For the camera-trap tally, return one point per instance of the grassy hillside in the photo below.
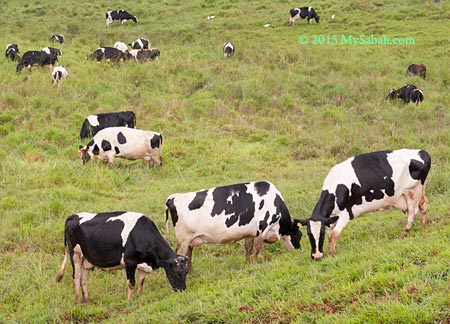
(276, 110)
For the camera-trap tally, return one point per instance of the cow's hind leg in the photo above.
(423, 207)
(248, 248)
(77, 265)
(258, 246)
(85, 269)
(413, 199)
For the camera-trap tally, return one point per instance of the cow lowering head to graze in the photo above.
(146, 55)
(58, 38)
(228, 49)
(59, 74)
(94, 123)
(303, 12)
(12, 52)
(121, 16)
(109, 54)
(121, 46)
(141, 43)
(126, 143)
(36, 58)
(117, 240)
(409, 93)
(52, 50)
(417, 69)
(366, 183)
(227, 214)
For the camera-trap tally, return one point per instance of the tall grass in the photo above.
(276, 110)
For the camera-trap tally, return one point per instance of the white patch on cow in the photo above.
(121, 46)
(309, 9)
(93, 120)
(129, 220)
(85, 217)
(144, 267)
(315, 231)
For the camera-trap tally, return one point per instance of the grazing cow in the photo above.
(52, 50)
(94, 123)
(59, 74)
(121, 16)
(33, 58)
(147, 55)
(126, 143)
(57, 38)
(140, 43)
(303, 12)
(417, 69)
(109, 54)
(228, 49)
(12, 52)
(117, 240)
(231, 213)
(121, 46)
(366, 183)
(409, 93)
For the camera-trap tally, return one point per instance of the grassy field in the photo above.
(277, 110)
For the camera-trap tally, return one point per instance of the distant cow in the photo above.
(228, 49)
(417, 69)
(121, 16)
(147, 55)
(303, 12)
(121, 46)
(117, 240)
(12, 52)
(59, 74)
(34, 58)
(231, 213)
(366, 183)
(109, 54)
(58, 38)
(409, 93)
(141, 43)
(95, 123)
(126, 143)
(52, 50)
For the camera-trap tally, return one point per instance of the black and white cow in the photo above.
(366, 183)
(12, 52)
(52, 50)
(409, 93)
(109, 54)
(34, 58)
(417, 69)
(145, 55)
(94, 123)
(141, 43)
(58, 38)
(117, 240)
(231, 213)
(126, 143)
(59, 74)
(228, 49)
(303, 12)
(121, 16)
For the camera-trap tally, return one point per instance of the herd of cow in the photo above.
(253, 211)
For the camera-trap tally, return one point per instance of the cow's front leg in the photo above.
(258, 246)
(248, 248)
(130, 270)
(335, 231)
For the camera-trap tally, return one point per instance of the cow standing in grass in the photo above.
(59, 74)
(95, 123)
(121, 16)
(408, 93)
(303, 12)
(417, 69)
(228, 49)
(12, 52)
(366, 183)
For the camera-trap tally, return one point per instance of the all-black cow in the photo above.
(231, 213)
(409, 93)
(121, 16)
(303, 12)
(366, 183)
(12, 52)
(58, 38)
(147, 55)
(117, 240)
(109, 54)
(417, 69)
(94, 123)
(34, 58)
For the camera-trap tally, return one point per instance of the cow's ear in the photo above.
(331, 220)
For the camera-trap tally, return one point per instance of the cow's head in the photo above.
(176, 271)
(84, 153)
(317, 18)
(296, 234)
(316, 233)
(393, 94)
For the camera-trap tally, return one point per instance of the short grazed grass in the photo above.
(276, 110)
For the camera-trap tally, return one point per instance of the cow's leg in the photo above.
(423, 207)
(184, 248)
(258, 246)
(130, 271)
(335, 231)
(414, 203)
(77, 264)
(248, 247)
(141, 278)
(85, 269)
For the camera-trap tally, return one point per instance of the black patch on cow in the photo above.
(264, 222)
(324, 206)
(198, 201)
(117, 150)
(156, 141)
(261, 204)
(419, 170)
(285, 217)
(121, 138)
(173, 211)
(262, 187)
(95, 150)
(235, 202)
(106, 145)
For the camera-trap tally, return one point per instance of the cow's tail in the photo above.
(60, 273)
(86, 130)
